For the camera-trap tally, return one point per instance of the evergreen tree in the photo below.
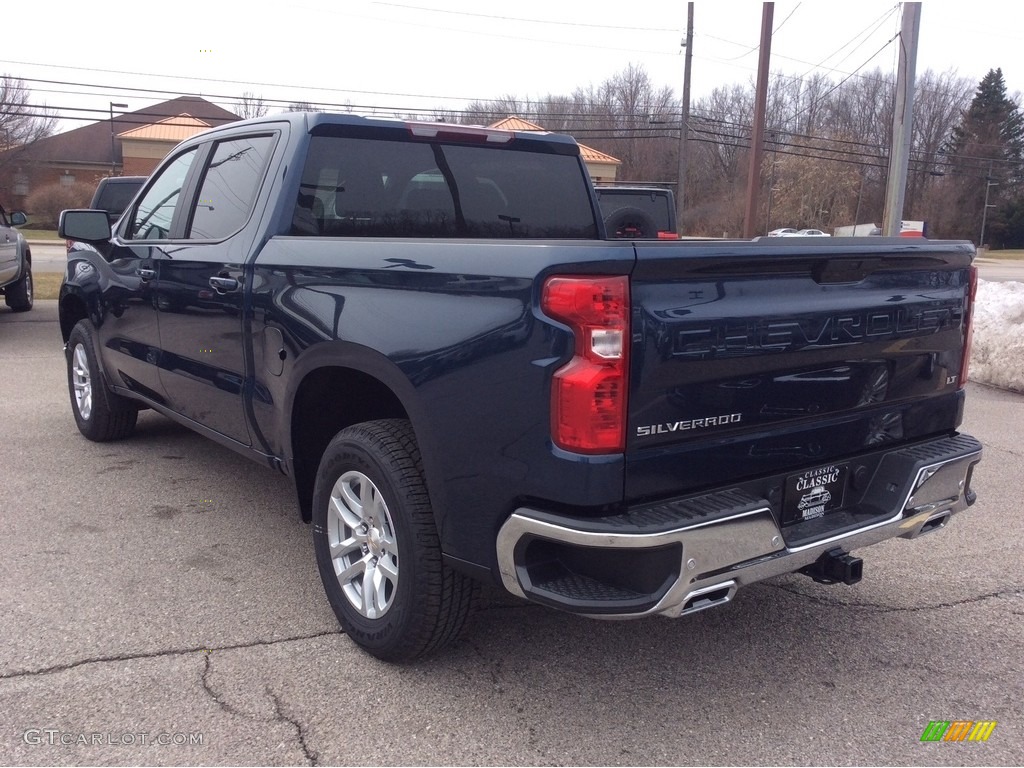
(986, 155)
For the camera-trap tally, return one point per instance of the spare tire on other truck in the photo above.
(630, 223)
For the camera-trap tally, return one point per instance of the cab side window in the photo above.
(154, 213)
(229, 187)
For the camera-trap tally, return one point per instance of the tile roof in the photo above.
(91, 143)
(177, 128)
(589, 154)
(515, 124)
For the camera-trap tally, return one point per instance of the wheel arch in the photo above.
(71, 309)
(336, 392)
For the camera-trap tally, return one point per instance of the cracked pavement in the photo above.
(164, 585)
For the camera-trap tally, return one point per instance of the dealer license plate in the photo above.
(814, 493)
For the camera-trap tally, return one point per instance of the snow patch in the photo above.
(997, 356)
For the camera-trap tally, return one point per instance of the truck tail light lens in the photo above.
(972, 292)
(588, 394)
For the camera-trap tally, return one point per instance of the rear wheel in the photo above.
(18, 296)
(101, 415)
(377, 547)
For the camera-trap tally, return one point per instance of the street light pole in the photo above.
(113, 156)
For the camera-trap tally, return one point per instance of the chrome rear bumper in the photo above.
(643, 563)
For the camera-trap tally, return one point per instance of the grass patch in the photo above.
(39, 234)
(1007, 255)
(46, 285)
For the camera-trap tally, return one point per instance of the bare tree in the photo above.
(252, 105)
(828, 143)
(487, 112)
(302, 106)
(939, 101)
(22, 123)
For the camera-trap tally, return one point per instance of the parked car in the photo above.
(812, 233)
(114, 193)
(15, 262)
(638, 213)
(783, 232)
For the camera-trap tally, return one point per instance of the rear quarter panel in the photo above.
(453, 327)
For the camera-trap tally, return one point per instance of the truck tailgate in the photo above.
(752, 359)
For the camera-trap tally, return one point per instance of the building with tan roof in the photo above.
(143, 147)
(601, 167)
(132, 143)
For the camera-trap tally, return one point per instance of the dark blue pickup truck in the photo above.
(428, 329)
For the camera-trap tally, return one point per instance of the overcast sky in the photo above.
(421, 54)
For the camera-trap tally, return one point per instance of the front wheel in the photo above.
(377, 547)
(101, 415)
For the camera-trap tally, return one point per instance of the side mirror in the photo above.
(89, 226)
(18, 219)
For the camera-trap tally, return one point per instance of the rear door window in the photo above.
(230, 183)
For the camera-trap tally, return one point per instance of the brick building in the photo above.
(132, 144)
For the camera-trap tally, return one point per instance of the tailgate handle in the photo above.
(844, 270)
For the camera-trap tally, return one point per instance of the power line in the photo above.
(245, 83)
(610, 27)
(878, 23)
(831, 90)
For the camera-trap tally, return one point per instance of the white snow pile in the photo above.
(997, 357)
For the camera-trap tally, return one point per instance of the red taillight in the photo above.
(972, 292)
(588, 394)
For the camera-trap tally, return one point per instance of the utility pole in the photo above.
(984, 211)
(902, 121)
(684, 125)
(760, 108)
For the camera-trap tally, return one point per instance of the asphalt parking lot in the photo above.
(163, 589)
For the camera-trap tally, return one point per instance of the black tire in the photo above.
(19, 296)
(104, 415)
(630, 223)
(420, 604)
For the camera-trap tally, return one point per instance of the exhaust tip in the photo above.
(936, 523)
(708, 597)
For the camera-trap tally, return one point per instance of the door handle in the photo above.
(223, 284)
(145, 273)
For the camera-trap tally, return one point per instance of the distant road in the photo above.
(51, 257)
(1001, 271)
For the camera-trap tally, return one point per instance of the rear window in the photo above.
(114, 196)
(653, 204)
(391, 188)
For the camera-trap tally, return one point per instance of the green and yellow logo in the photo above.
(958, 730)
